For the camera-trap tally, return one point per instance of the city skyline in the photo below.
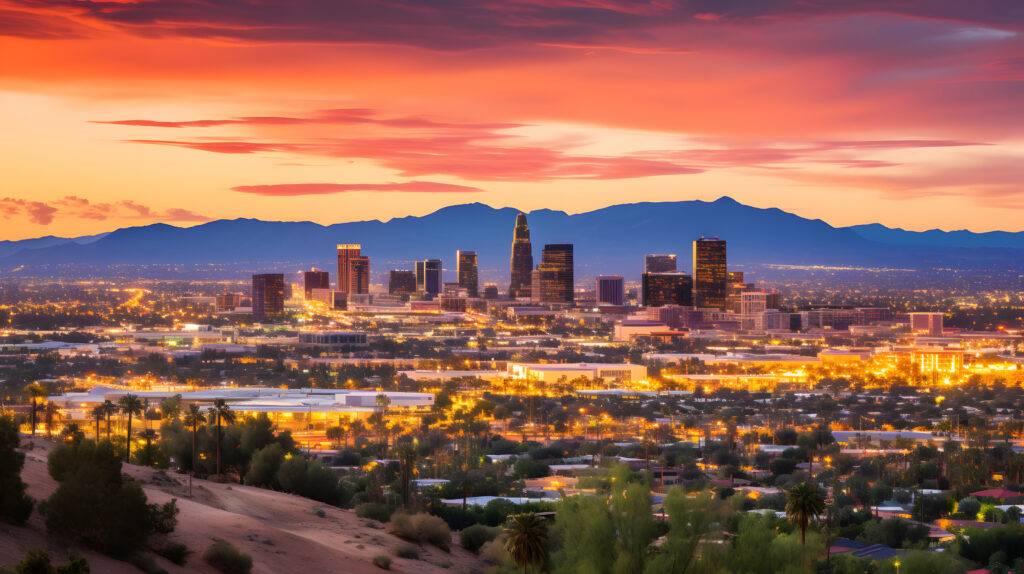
(789, 105)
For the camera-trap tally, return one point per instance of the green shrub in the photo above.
(474, 537)
(38, 562)
(15, 505)
(381, 561)
(224, 557)
(264, 466)
(421, 527)
(374, 511)
(175, 552)
(407, 551)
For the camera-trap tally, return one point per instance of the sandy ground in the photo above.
(280, 531)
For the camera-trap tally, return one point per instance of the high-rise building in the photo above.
(521, 263)
(736, 287)
(554, 276)
(611, 290)
(660, 263)
(315, 279)
(428, 277)
(353, 269)
(401, 282)
(660, 289)
(930, 324)
(267, 295)
(466, 271)
(710, 276)
(490, 291)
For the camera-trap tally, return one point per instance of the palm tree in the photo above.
(381, 422)
(526, 540)
(34, 391)
(109, 410)
(50, 412)
(98, 412)
(130, 405)
(804, 503)
(221, 412)
(193, 418)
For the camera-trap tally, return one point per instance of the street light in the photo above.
(897, 565)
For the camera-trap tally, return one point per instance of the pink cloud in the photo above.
(296, 189)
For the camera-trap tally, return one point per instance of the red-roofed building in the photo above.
(997, 493)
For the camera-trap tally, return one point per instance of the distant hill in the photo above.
(609, 240)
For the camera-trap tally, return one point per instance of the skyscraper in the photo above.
(267, 295)
(710, 275)
(401, 282)
(660, 263)
(554, 276)
(521, 263)
(466, 271)
(428, 277)
(610, 290)
(660, 289)
(737, 286)
(353, 269)
(315, 279)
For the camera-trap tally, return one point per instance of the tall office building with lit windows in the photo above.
(554, 276)
(315, 279)
(521, 262)
(660, 263)
(353, 269)
(660, 289)
(710, 275)
(466, 272)
(611, 290)
(267, 295)
(428, 277)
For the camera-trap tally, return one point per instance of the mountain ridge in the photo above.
(611, 239)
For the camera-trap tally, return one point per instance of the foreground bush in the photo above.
(96, 505)
(373, 511)
(175, 552)
(474, 537)
(15, 505)
(227, 559)
(381, 561)
(421, 527)
(38, 562)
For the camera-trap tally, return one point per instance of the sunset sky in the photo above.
(125, 113)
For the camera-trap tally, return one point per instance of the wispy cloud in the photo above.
(71, 206)
(296, 189)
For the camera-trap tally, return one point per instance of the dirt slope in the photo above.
(280, 531)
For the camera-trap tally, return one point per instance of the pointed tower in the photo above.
(521, 264)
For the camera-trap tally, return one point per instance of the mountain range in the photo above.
(608, 240)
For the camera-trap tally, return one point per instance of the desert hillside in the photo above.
(281, 532)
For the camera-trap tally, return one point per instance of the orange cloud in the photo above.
(294, 189)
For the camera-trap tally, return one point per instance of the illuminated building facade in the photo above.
(466, 271)
(660, 289)
(660, 263)
(315, 279)
(710, 275)
(353, 269)
(553, 280)
(401, 282)
(428, 277)
(611, 290)
(938, 361)
(930, 324)
(521, 263)
(267, 295)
